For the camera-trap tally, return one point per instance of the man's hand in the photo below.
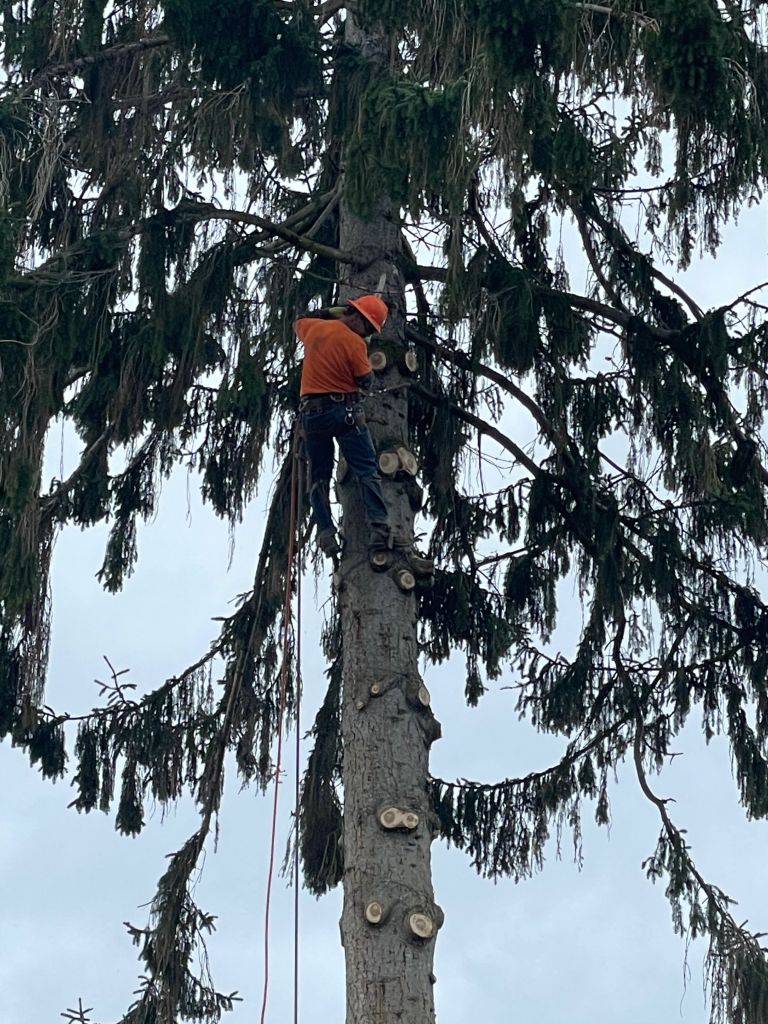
(364, 384)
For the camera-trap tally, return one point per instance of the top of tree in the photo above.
(170, 180)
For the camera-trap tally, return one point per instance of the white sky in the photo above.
(583, 947)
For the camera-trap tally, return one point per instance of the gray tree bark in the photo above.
(389, 919)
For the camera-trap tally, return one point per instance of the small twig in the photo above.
(78, 1016)
(116, 689)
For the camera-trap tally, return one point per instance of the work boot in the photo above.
(380, 547)
(328, 542)
(418, 564)
(380, 537)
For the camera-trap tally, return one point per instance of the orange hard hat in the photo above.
(373, 309)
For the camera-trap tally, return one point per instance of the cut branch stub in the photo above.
(380, 560)
(411, 361)
(405, 580)
(417, 694)
(376, 912)
(421, 925)
(389, 463)
(378, 359)
(408, 461)
(394, 817)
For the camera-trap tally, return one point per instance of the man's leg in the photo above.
(318, 446)
(357, 446)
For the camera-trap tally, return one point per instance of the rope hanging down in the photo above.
(295, 505)
(300, 469)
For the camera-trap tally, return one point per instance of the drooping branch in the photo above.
(588, 305)
(464, 361)
(737, 968)
(50, 501)
(617, 238)
(482, 425)
(55, 269)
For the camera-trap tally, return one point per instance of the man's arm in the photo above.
(330, 313)
(365, 383)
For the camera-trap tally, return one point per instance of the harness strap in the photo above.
(316, 403)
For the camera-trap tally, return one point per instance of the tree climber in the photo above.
(335, 377)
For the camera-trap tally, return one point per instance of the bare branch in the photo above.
(327, 10)
(206, 211)
(110, 53)
(642, 19)
(49, 503)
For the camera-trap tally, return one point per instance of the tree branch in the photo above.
(675, 836)
(466, 363)
(617, 237)
(110, 53)
(202, 211)
(50, 501)
(599, 309)
(482, 425)
(207, 211)
(327, 10)
(570, 757)
(643, 19)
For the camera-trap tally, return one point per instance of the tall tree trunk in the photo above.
(389, 919)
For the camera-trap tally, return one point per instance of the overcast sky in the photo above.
(586, 947)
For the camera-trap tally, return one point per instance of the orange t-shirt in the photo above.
(333, 356)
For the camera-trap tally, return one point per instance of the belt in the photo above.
(316, 403)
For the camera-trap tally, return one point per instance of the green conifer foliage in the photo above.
(172, 180)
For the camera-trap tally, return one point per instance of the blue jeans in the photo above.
(320, 428)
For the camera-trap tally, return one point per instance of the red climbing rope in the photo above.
(280, 716)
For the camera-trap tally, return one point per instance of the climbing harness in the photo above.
(318, 403)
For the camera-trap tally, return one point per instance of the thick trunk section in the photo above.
(390, 919)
